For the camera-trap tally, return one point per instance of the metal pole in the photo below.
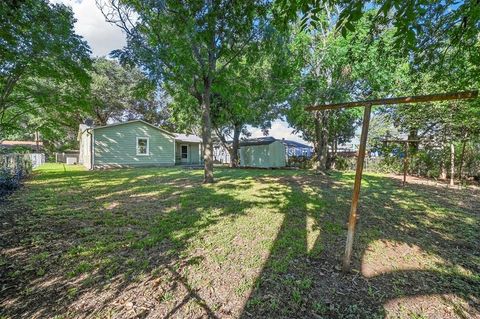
(356, 189)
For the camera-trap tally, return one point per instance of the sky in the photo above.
(104, 37)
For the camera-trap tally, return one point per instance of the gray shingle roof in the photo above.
(189, 138)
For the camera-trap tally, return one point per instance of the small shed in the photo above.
(262, 152)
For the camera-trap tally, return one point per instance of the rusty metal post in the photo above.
(352, 220)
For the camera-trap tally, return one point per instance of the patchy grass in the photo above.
(258, 243)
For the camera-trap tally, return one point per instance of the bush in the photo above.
(9, 180)
(13, 168)
(385, 165)
(299, 161)
(343, 163)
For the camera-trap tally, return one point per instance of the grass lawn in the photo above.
(157, 243)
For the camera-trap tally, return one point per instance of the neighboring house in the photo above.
(135, 143)
(346, 150)
(297, 149)
(262, 152)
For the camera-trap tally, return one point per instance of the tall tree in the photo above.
(42, 65)
(253, 91)
(440, 125)
(187, 45)
(114, 89)
(337, 68)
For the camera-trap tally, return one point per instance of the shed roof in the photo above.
(257, 141)
(269, 140)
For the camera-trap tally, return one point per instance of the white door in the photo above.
(184, 153)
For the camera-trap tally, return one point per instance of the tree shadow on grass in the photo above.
(108, 243)
(413, 246)
(158, 243)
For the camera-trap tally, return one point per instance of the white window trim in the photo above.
(148, 146)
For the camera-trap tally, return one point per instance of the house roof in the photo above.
(31, 144)
(190, 138)
(132, 121)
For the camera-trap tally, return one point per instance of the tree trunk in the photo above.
(443, 170)
(235, 145)
(318, 137)
(323, 156)
(332, 156)
(452, 163)
(206, 99)
(413, 135)
(207, 133)
(462, 157)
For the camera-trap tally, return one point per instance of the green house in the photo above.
(263, 152)
(136, 143)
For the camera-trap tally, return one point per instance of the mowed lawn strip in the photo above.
(257, 243)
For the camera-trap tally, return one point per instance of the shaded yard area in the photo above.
(157, 243)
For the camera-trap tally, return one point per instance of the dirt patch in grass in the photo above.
(158, 243)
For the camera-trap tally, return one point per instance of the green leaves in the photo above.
(42, 67)
(417, 22)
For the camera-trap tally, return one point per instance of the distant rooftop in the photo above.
(291, 143)
(31, 144)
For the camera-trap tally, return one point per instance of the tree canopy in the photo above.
(43, 78)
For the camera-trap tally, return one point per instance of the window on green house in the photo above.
(142, 146)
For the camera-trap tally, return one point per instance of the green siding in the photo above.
(277, 154)
(272, 155)
(194, 154)
(116, 146)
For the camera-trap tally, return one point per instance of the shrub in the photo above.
(343, 163)
(9, 180)
(299, 161)
(13, 168)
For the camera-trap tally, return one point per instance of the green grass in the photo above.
(257, 243)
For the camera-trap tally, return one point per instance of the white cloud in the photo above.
(102, 37)
(280, 129)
